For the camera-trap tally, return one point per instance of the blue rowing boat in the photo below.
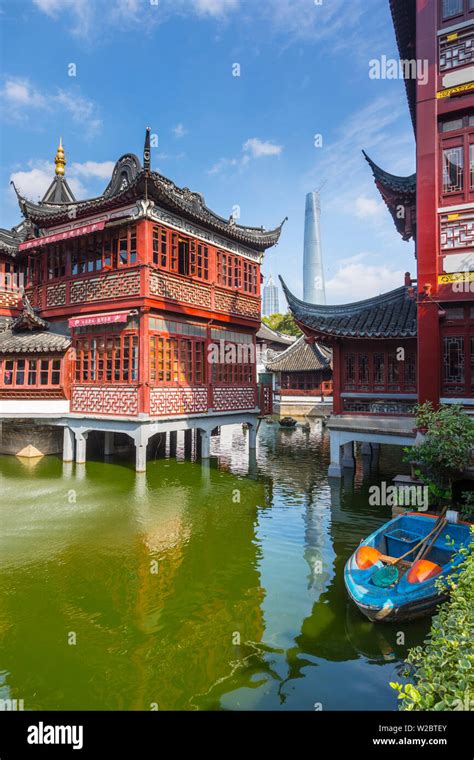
(409, 589)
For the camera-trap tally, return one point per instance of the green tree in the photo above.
(283, 323)
(445, 450)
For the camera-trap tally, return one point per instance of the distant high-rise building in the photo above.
(270, 303)
(313, 273)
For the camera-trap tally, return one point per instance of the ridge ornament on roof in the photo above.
(28, 319)
(130, 182)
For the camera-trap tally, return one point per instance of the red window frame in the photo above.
(165, 253)
(110, 358)
(379, 371)
(304, 381)
(177, 360)
(466, 12)
(237, 273)
(114, 248)
(233, 373)
(461, 328)
(37, 372)
(462, 138)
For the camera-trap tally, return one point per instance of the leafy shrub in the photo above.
(443, 668)
(445, 451)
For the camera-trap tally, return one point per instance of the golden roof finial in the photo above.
(60, 161)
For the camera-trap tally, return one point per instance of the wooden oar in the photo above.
(426, 549)
(440, 523)
(383, 577)
(422, 542)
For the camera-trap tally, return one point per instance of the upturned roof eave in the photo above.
(311, 318)
(157, 188)
(396, 183)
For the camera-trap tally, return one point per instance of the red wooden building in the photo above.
(134, 312)
(417, 342)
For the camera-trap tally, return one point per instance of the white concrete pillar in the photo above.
(205, 444)
(252, 437)
(348, 459)
(68, 445)
(81, 441)
(140, 461)
(335, 469)
(108, 444)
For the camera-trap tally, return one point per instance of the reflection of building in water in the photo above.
(142, 637)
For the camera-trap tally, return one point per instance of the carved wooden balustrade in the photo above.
(143, 281)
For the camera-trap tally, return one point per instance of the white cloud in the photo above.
(93, 169)
(215, 7)
(34, 181)
(19, 93)
(294, 20)
(357, 279)
(368, 207)
(89, 18)
(82, 110)
(223, 163)
(21, 98)
(179, 131)
(253, 148)
(81, 12)
(257, 148)
(49, 6)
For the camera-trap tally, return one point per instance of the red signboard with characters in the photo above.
(99, 319)
(85, 229)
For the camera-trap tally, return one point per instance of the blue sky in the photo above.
(243, 140)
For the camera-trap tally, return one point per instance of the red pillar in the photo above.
(144, 362)
(337, 376)
(429, 354)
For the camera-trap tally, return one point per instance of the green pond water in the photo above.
(192, 587)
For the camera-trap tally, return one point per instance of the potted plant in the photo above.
(424, 417)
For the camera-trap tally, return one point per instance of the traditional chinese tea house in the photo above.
(109, 308)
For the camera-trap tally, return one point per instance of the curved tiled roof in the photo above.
(390, 315)
(130, 182)
(11, 239)
(301, 357)
(402, 185)
(37, 341)
(397, 192)
(273, 336)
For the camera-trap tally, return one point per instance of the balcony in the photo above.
(143, 282)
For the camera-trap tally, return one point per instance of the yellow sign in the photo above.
(460, 88)
(448, 279)
(452, 36)
(452, 217)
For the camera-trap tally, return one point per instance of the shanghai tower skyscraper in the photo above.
(313, 273)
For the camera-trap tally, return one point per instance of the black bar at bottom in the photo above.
(136, 734)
